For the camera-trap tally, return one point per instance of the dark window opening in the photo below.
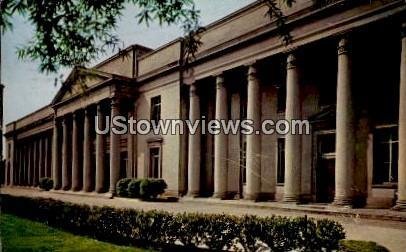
(386, 156)
(155, 162)
(281, 161)
(156, 108)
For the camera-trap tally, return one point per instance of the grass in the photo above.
(362, 246)
(19, 234)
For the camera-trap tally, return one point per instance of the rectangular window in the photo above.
(156, 108)
(155, 162)
(281, 99)
(281, 161)
(386, 155)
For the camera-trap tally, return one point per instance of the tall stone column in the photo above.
(114, 148)
(41, 170)
(253, 140)
(194, 152)
(87, 168)
(24, 165)
(20, 164)
(30, 174)
(100, 173)
(401, 202)
(220, 141)
(131, 149)
(12, 163)
(47, 173)
(56, 173)
(76, 175)
(65, 160)
(293, 147)
(35, 163)
(345, 123)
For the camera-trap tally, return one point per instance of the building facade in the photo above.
(344, 71)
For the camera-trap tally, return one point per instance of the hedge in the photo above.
(145, 188)
(46, 183)
(159, 229)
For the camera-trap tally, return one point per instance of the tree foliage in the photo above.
(73, 32)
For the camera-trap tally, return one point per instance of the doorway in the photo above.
(325, 171)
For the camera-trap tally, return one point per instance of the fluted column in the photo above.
(30, 173)
(114, 148)
(35, 163)
(293, 148)
(100, 173)
(194, 153)
(76, 175)
(131, 148)
(20, 164)
(24, 165)
(47, 172)
(401, 202)
(56, 158)
(345, 123)
(253, 140)
(220, 141)
(87, 168)
(41, 171)
(65, 160)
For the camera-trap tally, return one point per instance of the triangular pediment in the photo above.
(79, 80)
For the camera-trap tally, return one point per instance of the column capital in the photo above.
(403, 30)
(99, 107)
(219, 81)
(114, 101)
(343, 45)
(74, 116)
(252, 72)
(193, 90)
(291, 61)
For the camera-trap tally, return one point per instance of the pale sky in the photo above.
(26, 89)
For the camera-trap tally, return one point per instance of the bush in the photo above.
(134, 188)
(361, 246)
(151, 188)
(122, 186)
(46, 183)
(191, 230)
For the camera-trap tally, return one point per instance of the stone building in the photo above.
(345, 71)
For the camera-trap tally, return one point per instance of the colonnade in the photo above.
(345, 132)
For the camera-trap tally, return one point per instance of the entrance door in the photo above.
(325, 173)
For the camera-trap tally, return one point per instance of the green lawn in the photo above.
(19, 234)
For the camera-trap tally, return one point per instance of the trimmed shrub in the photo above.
(151, 188)
(134, 188)
(122, 186)
(46, 183)
(159, 229)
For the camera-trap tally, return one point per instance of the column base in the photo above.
(193, 194)
(220, 195)
(400, 206)
(343, 202)
(262, 196)
(291, 199)
(100, 190)
(76, 188)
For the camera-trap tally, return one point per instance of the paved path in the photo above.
(389, 233)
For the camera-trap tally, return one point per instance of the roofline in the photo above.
(30, 114)
(178, 39)
(232, 14)
(116, 55)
